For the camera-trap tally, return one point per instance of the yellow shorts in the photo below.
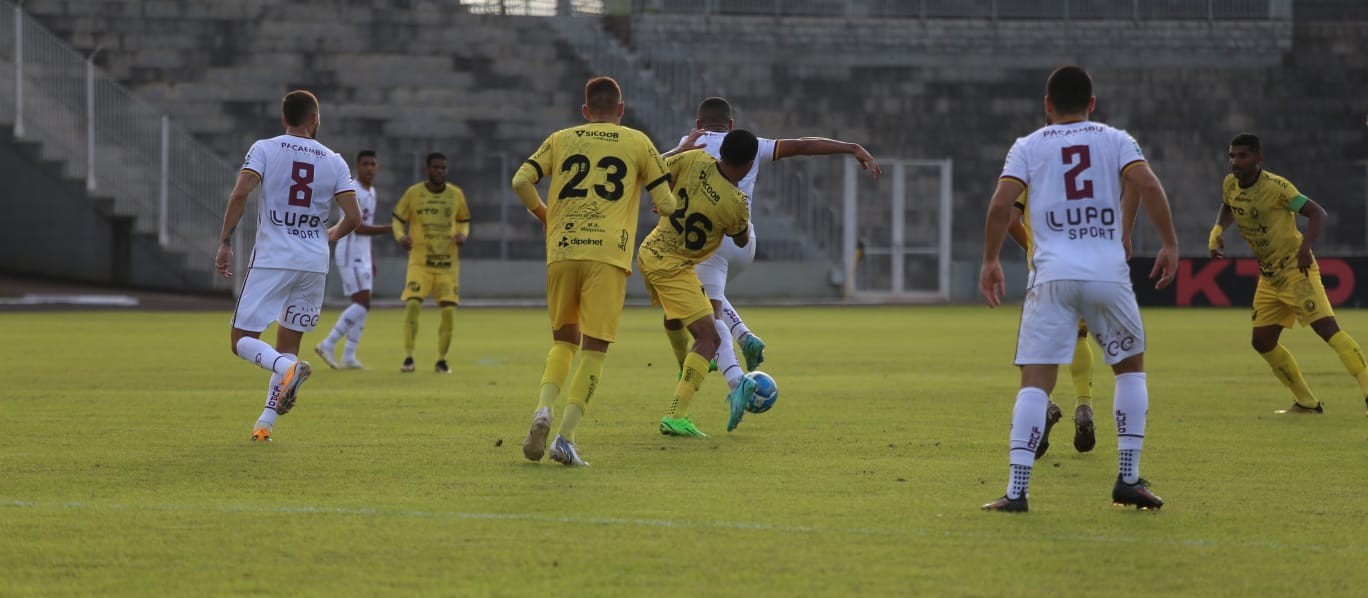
(1294, 298)
(679, 291)
(586, 293)
(443, 285)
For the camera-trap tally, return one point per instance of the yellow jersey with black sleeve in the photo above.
(597, 172)
(1267, 215)
(432, 220)
(710, 208)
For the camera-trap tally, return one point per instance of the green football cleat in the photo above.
(737, 399)
(753, 349)
(680, 426)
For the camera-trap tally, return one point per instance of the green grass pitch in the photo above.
(125, 467)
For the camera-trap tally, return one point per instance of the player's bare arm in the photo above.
(1130, 204)
(1152, 196)
(741, 238)
(247, 181)
(525, 186)
(1315, 219)
(371, 229)
(1215, 244)
(992, 285)
(1017, 230)
(821, 146)
(351, 215)
(690, 142)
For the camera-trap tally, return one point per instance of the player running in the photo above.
(352, 256)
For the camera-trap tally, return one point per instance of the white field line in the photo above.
(687, 524)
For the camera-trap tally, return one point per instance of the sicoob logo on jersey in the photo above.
(605, 135)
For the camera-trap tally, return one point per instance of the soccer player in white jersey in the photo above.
(299, 178)
(353, 259)
(714, 119)
(1072, 170)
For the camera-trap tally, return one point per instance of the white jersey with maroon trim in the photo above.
(299, 179)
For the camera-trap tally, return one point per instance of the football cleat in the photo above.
(1052, 416)
(680, 426)
(441, 367)
(737, 400)
(534, 446)
(289, 385)
(753, 349)
(408, 365)
(1299, 408)
(352, 364)
(1085, 433)
(1136, 495)
(1007, 505)
(261, 435)
(326, 354)
(563, 451)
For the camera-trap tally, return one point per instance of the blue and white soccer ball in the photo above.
(766, 392)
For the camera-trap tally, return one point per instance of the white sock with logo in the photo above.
(1131, 408)
(1028, 425)
(726, 356)
(358, 317)
(344, 324)
(733, 321)
(257, 351)
(269, 415)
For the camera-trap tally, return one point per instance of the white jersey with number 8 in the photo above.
(1072, 173)
(299, 178)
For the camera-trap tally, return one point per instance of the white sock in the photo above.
(1028, 425)
(1131, 408)
(733, 320)
(357, 314)
(269, 415)
(726, 356)
(257, 351)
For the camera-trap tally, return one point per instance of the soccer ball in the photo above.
(766, 392)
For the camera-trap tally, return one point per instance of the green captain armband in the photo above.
(1297, 203)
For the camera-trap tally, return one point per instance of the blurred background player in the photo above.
(431, 222)
(289, 266)
(356, 268)
(710, 207)
(597, 171)
(714, 118)
(1073, 169)
(1265, 206)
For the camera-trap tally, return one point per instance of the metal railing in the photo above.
(539, 8)
(122, 147)
(977, 9)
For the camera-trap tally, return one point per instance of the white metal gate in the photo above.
(896, 237)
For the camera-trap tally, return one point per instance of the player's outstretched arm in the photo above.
(1156, 204)
(351, 216)
(690, 142)
(372, 229)
(992, 285)
(821, 146)
(1215, 244)
(1315, 216)
(525, 185)
(237, 203)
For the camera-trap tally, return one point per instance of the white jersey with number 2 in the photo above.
(299, 178)
(1072, 173)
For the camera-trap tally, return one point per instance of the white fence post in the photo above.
(947, 203)
(848, 229)
(163, 215)
(18, 72)
(899, 222)
(90, 121)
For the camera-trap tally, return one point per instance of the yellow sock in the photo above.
(695, 369)
(444, 330)
(1285, 368)
(582, 386)
(411, 309)
(680, 340)
(1082, 371)
(1352, 357)
(557, 368)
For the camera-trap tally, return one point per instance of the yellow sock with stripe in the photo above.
(1082, 371)
(1285, 368)
(680, 340)
(1352, 358)
(557, 369)
(582, 386)
(444, 330)
(695, 369)
(411, 309)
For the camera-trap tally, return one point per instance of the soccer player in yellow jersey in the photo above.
(431, 222)
(1265, 205)
(597, 172)
(1085, 433)
(710, 207)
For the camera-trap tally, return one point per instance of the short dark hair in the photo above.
(602, 95)
(739, 147)
(1069, 89)
(434, 156)
(1248, 140)
(714, 110)
(365, 153)
(297, 106)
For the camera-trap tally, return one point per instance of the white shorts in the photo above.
(356, 277)
(291, 298)
(725, 264)
(1049, 321)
